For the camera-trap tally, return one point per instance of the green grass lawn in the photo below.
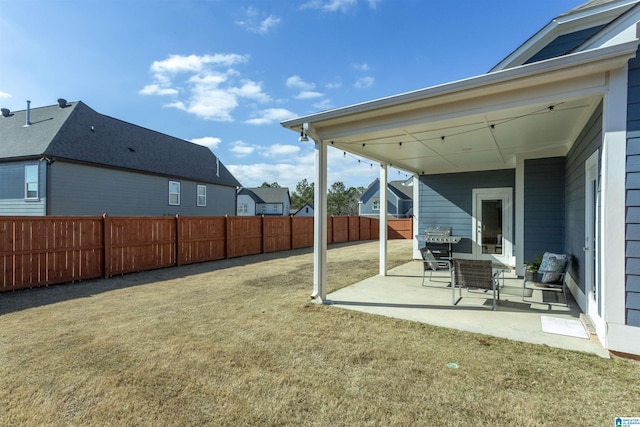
(238, 342)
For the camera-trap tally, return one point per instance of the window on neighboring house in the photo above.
(375, 205)
(202, 195)
(174, 193)
(243, 208)
(31, 182)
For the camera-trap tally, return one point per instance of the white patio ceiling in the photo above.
(482, 123)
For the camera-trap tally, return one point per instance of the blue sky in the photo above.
(224, 73)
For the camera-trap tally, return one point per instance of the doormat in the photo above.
(569, 327)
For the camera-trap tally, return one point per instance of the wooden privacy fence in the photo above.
(40, 251)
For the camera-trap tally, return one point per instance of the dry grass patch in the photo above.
(237, 342)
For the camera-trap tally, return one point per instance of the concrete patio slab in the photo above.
(401, 295)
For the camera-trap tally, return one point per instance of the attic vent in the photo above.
(6, 112)
(62, 102)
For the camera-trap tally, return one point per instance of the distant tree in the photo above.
(272, 185)
(342, 200)
(303, 194)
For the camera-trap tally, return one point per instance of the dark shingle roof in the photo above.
(79, 133)
(268, 194)
(404, 191)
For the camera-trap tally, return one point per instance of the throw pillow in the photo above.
(551, 267)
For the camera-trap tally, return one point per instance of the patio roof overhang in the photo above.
(480, 123)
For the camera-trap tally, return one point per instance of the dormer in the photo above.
(594, 24)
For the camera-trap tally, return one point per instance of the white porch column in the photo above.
(383, 219)
(320, 224)
(612, 209)
(519, 228)
(416, 216)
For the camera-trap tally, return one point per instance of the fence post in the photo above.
(291, 227)
(106, 238)
(178, 239)
(262, 233)
(226, 236)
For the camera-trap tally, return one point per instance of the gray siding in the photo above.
(564, 44)
(12, 197)
(78, 189)
(543, 206)
(633, 196)
(395, 206)
(587, 143)
(446, 200)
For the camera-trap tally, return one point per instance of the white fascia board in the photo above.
(621, 30)
(596, 61)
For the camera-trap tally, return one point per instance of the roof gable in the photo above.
(569, 32)
(564, 44)
(269, 194)
(79, 133)
(401, 191)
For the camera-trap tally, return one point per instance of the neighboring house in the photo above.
(542, 153)
(306, 210)
(399, 199)
(67, 159)
(268, 201)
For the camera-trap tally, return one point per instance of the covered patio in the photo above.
(400, 294)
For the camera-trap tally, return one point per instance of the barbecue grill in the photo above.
(439, 241)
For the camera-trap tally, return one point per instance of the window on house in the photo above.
(375, 205)
(31, 182)
(243, 208)
(202, 195)
(174, 193)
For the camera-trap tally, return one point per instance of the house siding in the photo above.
(544, 189)
(79, 189)
(632, 189)
(396, 205)
(564, 44)
(446, 200)
(12, 197)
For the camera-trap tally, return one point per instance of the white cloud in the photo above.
(279, 151)
(287, 175)
(242, 149)
(325, 104)
(253, 23)
(334, 85)
(4, 95)
(195, 63)
(269, 22)
(208, 141)
(296, 82)
(293, 168)
(155, 89)
(251, 90)
(198, 86)
(330, 5)
(271, 115)
(373, 4)
(361, 67)
(364, 83)
(309, 94)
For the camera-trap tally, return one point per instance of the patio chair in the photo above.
(475, 274)
(551, 276)
(430, 263)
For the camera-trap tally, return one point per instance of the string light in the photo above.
(492, 126)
